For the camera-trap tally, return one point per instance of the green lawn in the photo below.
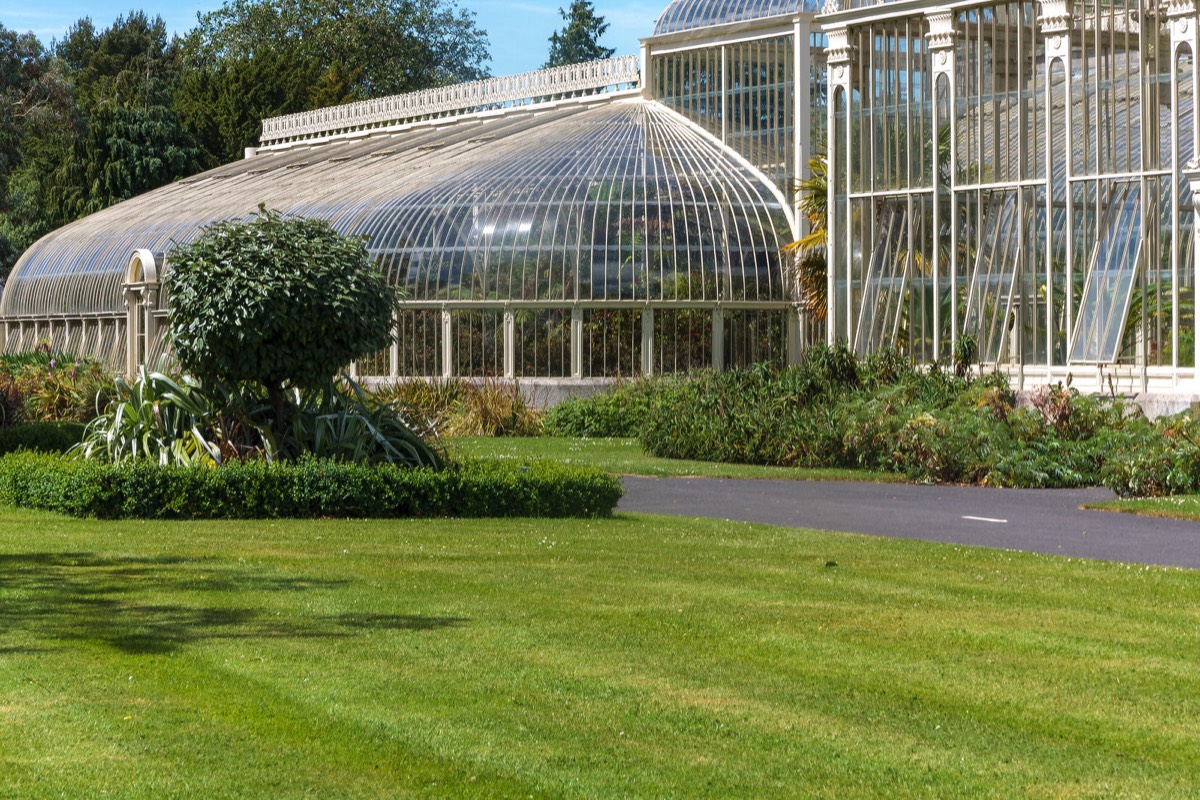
(1184, 506)
(625, 457)
(633, 657)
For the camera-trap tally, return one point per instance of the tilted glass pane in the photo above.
(993, 280)
(1107, 289)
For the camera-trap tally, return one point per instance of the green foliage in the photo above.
(45, 437)
(51, 386)
(155, 418)
(926, 424)
(101, 128)
(177, 421)
(343, 424)
(619, 412)
(306, 488)
(251, 59)
(278, 301)
(579, 40)
(966, 354)
(809, 267)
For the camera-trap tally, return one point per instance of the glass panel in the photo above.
(478, 343)
(542, 343)
(377, 364)
(682, 339)
(752, 337)
(612, 342)
(419, 333)
(1108, 288)
(993, 280)
(683, 15)
(884, 284)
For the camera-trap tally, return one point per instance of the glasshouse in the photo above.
(1016, 175)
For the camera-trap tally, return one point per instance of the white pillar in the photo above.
(576, 342)
(718, 339)
(509, 338)
(839, 55)
(447, 345)
(648, 340)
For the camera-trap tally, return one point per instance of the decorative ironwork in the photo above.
(573, 80)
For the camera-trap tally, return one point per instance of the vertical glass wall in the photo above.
(742, 93)
(1047, 216)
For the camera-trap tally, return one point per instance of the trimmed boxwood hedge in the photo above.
(306, 488)
(48, 437)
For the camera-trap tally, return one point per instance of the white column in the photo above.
(576, 342)
(1055, 23)
(648, 340)
(1184, 23)
(941, 39)
(394, 349)
(509, 337)
(447, 345)
(718, 339)
(132, 325)
(838, 55)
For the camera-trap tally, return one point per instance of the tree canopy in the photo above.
(579, 40)
(251, 59)
(275, 300)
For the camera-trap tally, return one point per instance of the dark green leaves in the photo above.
(278, 301)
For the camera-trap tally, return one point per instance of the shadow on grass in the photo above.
(83, 597)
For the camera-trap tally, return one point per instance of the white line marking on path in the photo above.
(986, 519)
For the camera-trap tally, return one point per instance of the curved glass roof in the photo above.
(686, 15)
(616, 200)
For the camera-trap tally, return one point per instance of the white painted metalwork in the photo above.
(573, 80)
(504, 224)
(686, 15)
(1014, 171)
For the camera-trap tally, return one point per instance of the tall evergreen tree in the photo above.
(579, 41)
(295, 55)
(94, 125)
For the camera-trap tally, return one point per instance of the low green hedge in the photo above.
(48, 437)
(307, 488)
(619, 412)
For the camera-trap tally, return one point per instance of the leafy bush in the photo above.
(930, 425)
(306, 488)
(155, 417)
(274, 300)
(492, 408)
(46, 437)
(619, 412)
(51, 386)
(341, 423)
(176, 421)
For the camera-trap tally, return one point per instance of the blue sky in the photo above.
(518, 30)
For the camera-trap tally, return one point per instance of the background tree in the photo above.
(579, 40)
(36, 122)
(277, 301)
(252, 59)
(99, 128)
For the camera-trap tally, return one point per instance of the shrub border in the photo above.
(304, 489)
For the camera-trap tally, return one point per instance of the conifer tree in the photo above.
(579, 41)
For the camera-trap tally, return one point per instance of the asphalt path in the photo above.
(1034, 520)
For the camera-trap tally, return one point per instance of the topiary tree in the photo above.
(276, 300)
